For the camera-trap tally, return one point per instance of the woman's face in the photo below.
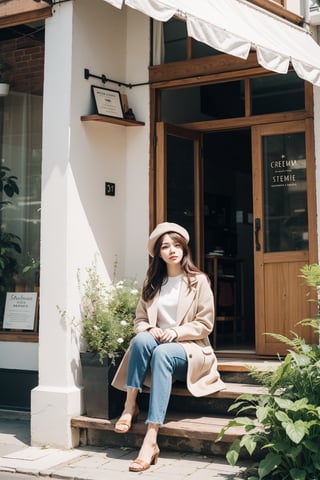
(171, 251)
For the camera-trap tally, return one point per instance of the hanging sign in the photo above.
(20, 309)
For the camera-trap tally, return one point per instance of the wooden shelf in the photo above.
(115, 121)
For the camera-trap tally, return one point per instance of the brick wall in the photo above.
(26, 59)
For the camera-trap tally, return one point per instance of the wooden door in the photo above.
(179, 192)
(284, 229)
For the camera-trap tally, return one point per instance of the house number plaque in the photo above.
(110, 189)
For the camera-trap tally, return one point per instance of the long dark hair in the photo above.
(157, 271)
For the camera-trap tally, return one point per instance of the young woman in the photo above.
(174, 317)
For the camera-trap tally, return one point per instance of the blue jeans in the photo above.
(165, 360)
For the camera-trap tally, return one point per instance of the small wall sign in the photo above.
(108, 102)
(110, 189)
(20, 309)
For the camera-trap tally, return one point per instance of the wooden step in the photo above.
(232, 390)
(176, 425)
(242, 364)
(238, 370)
(185, 432)
(214, 404)
(191, 424)
(186, 428)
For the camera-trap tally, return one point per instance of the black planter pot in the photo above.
(101, 399)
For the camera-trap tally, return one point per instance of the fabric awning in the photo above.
(236, 26)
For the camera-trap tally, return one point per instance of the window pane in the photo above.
(285, 196)
(21, 154)
(22, 51)
(277, 93)
(175, 41)
(182, 105)
(223, 100)
(180, 187)
(200, 49)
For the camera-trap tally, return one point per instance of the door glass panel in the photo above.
(285, 196)
(180, 184)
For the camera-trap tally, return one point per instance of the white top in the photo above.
(168, 302)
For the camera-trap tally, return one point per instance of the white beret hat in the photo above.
(163, 228)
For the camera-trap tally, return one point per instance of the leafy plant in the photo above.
(107, 313)
(32, 266)
(9, 242)
(8, 184)
(284, 424)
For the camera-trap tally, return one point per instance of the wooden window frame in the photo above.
(23, 337)
(278, 7)
(204, 71)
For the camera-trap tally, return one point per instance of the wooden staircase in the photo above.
(192, 424)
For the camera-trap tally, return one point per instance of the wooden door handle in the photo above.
(257, 228)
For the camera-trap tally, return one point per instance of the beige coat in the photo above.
(195, 320)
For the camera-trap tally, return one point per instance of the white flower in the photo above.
(120, 340)
(119, 284)
(134, 291)
(87, 306)
(110, 289)
(95, 327)
(123, 323)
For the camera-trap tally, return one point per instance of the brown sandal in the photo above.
(126, 423)
(142, 465)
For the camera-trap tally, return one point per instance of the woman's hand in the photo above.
(156, 332)
(164, 336)
(168, 336)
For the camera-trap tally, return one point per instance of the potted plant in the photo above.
(107, 315)
(4, 81)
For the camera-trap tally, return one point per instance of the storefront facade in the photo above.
(239, 173)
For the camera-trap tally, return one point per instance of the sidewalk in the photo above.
(95, 463)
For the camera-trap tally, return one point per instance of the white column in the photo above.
(58, 396)
(316, 92)
(78, 220)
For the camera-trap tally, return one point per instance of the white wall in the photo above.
(104, 152)
(78, 220)
(137, 154)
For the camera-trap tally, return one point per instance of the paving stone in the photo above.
(101, 463)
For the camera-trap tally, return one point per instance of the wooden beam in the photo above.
(197, 67)
(14, 336)
(15, 12)
(277, 9)
(244, 122)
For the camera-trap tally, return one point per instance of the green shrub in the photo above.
(284, 424)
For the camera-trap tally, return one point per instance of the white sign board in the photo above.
(20, 309)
